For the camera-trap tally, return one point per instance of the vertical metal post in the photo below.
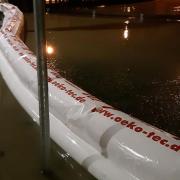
(42, 82)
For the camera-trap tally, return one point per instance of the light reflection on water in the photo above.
(139, 76)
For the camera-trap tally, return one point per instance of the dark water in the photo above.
(138, 74)
(130, 63)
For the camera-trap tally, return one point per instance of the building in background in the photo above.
(150, 6)
(27, 5)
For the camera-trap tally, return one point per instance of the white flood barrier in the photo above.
(108, 143)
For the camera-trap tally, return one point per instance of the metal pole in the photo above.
(42, 83)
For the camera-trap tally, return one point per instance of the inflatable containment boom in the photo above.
(110, 144)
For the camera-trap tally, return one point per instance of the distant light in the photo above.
(172, 20)
(126, 22)
(49, 50)
(176, 9)
(47, 1)
(101, 6)
(128, 9)
(126, 33)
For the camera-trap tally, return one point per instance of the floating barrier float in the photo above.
(110, 144)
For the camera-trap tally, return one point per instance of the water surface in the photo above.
(138, 74)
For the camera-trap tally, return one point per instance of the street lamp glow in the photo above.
(49, 50)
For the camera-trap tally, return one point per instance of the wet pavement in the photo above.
(19, 141)
(20, 146)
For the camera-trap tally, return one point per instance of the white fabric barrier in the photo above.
(109, 143)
